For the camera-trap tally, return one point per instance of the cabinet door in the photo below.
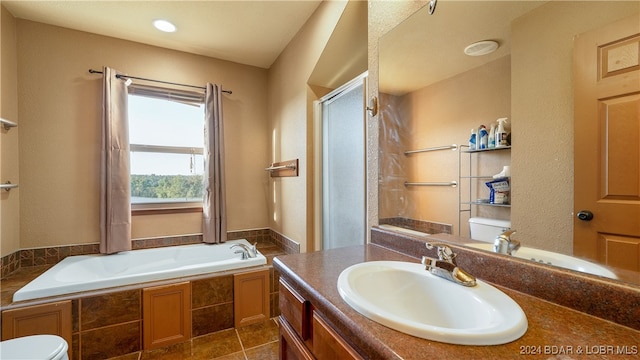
(327, 344)
(291, 347)
(250, 297)
(54, 319)
(166, 315)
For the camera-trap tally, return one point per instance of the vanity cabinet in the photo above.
(166, 315)
(304, 333)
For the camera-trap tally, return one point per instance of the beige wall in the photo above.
(9, 201)
(60, 107)
(290, 117)
(439, 115)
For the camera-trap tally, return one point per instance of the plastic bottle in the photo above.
(501, 134)
(473, 139)
(492, 137)
(483, 134)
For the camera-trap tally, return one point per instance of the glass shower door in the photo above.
(343, 166)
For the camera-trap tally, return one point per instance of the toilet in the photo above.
(35, 347)
(484, 229)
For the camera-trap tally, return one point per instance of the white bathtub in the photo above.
(402, 230)
(92, 272)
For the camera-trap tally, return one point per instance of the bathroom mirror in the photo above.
(431, 95)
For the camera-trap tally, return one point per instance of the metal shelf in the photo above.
(471, 186)
(484, 150)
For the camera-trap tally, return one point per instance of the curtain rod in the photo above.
(119, 76)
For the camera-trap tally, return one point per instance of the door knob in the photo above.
(585, 215)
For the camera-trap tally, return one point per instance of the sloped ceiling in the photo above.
(246, 32)
(345, 55)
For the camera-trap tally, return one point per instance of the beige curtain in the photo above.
(115, 188)
(214, 227)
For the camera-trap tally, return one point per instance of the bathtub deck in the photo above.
(22, 276)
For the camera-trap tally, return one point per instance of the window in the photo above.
(166, 136)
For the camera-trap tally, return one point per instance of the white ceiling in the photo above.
(425, 49)
(246, 32)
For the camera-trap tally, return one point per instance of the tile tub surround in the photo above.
(108, 323)
(314, 276)
(106, 320)
(606, 299)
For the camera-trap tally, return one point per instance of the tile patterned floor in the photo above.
(252, 342)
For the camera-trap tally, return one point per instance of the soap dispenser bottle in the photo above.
(484, 138)
(492, 137)
(473, 140)
(501, 134)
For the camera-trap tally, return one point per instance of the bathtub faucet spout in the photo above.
(246, 251)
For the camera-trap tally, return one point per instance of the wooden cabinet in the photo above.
(166, 315)
(251, 297)
(54, 319)
(327, 344)
(304, 333)
(291, 346)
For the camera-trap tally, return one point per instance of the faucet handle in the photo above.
(444, 251)
(244, 253)
(507, 233)
(254, 250)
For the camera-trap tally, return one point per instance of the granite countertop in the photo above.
(554, 331)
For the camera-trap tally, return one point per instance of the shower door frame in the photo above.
(318, 130)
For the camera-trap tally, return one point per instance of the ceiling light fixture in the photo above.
(481, 48)
(164, 25)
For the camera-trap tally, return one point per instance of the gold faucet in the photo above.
(445, 266)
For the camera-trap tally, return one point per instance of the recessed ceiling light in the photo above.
(164, 25)
(481, 48)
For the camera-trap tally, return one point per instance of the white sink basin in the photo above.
(552, 258)
(407, 298)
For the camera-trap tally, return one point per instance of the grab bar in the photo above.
(6, 124)
(8, 186)
(283, 168)
(274, 168)
(452, 183)
(437, 148)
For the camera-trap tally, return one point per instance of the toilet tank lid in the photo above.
(33, 347)
(490, 222)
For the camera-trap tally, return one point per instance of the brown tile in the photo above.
(258, 334)
(214, 345)
(75, 346)
(75, 315)
(109, 309)
(274, 302)
(180, 351)
(211, 319)
(212, 291)
(131, 356)
(110, 341)
(234, 356)
(264, 352)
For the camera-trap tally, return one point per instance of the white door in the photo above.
(343, 166)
